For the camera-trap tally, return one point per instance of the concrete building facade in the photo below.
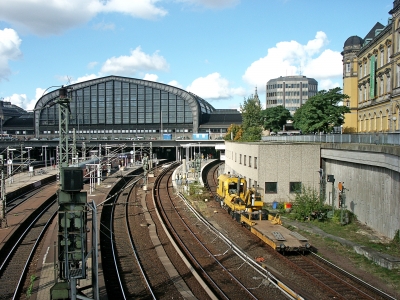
(280, 169)
(369, 173)
(290, 92)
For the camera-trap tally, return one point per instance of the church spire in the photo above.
(256, 96)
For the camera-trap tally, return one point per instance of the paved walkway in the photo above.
(20, 180)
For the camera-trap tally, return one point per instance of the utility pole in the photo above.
(74, 157)
(72, 214)
(3, 216)
(331, 178)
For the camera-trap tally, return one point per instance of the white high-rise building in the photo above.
(290, 91)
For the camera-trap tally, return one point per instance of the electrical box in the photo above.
(330, 178)
(72, 179)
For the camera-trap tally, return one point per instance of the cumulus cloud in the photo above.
(85, 78)
(175, 84)
(9, 50)
(220, 4)
(92, 64)
(214, 87)
(292, 58)
(46, 17)
(150, 77)
(137, 61)
(104, 26)
(22, 100)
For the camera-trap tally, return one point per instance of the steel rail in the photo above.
(358, 280)
(209, 253)
(145, 278)
(38, 240)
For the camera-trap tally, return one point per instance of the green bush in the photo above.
(306, 204)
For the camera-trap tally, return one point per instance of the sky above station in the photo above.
(221, 50)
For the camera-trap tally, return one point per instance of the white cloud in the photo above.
(293, 58)
(150, 77)
(327, 84)
(45, 17)
(9, 50)
(213, 86)
(138, 8)
(137, 61)
(213, 4)
(22, 100)
(175, 84)
(104, 26)
(92, 64)
(85, 78)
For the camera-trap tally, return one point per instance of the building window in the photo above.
(244, 160)
(295, 187)
(389, 53)
(271, 187)
(255, 162)
(398, 75)
(387, 83)
(382, 58)
(381, 86)
(348, 67)
(250, 161)
(235, 157)
(240, 159)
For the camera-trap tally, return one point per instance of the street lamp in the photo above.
(10, 163)
(29, 159)
(108, 159)
(199, 150)
(45, 156)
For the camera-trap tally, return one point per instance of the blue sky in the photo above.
(220, 50)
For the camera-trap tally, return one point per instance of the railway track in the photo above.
(316, 279)
(15, 265)
(228, 274)
(133, 268)
(13, 202)
(338, 283)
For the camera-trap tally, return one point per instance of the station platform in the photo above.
(185, 175)
(23, 179)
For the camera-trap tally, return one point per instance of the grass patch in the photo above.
(30, 288)
(360, 234)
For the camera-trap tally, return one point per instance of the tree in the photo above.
(251, 119)
(234, 133)
(252, 134)
(275, 117)
(322, 112)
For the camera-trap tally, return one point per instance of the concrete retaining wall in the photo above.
(372, 182)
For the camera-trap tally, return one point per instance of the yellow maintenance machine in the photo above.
(233, 191)
(246, 206)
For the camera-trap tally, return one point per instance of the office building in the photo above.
(290, 91)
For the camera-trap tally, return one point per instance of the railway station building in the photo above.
(115, 107)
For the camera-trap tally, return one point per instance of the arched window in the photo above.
(387, 121)
(365, 123)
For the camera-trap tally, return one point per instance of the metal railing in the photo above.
(376, 139)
